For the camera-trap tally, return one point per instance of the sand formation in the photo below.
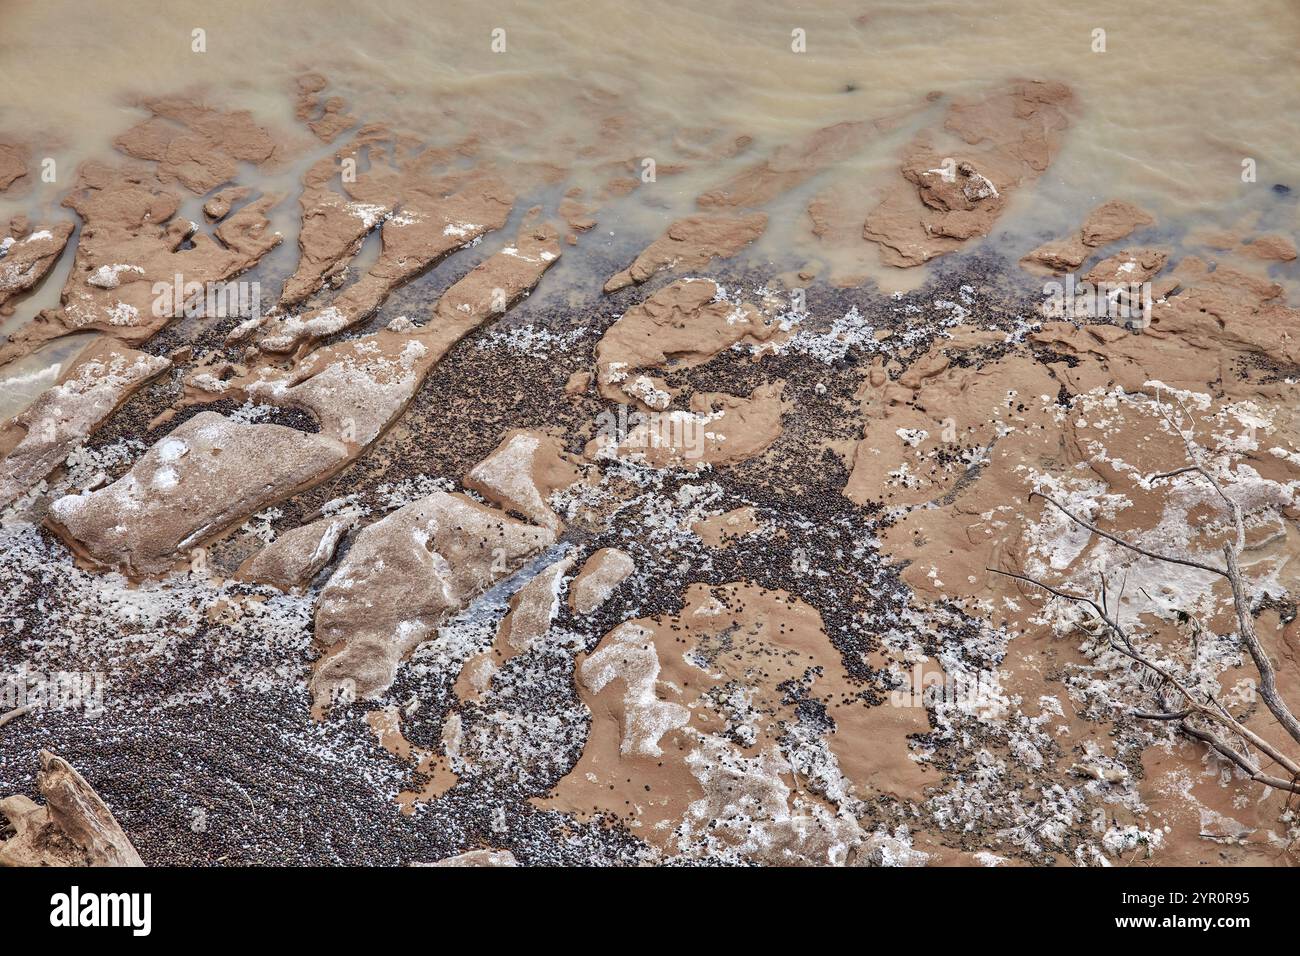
(691, 571)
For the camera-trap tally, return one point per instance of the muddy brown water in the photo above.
(1179, 98)
(1165, 116)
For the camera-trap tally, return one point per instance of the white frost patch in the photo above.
(172, 449)
(368, 213)
(629, 655)
(107, 277)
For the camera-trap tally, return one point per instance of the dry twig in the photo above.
(1199, 716)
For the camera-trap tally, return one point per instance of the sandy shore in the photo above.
(371, 498)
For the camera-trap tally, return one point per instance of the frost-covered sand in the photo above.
(512, 528)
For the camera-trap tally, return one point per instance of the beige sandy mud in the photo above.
(331, 232)
(532, 611)
(689, 244)
(1109, 460)
(208, 473)
(522, 473)
(14, 158)
(947, 195)
(356, 388)
(1244, 244)
(697, 749)
(534, 607)
(682, 325)
(720, 530)
(717, 430)
(325, 116)
(600, 575)
(1106, 422)
(1112, 221)
(297, 556)
(197, 145)
(614, 645)
(26, 259)
(132, 241)
(1109, 222)
(921, 435)
(433, 221)
(1128, 266)
(792, 165)
(404, 575)
(218, 206)
(1221, 333)
(442, 208)
(102, 376)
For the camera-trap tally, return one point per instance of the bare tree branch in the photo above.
(1213, 712)
(1200, 719)
(1267, 676)
(15, 713)
(1153, 555)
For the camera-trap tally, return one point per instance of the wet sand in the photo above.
(618, 460)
